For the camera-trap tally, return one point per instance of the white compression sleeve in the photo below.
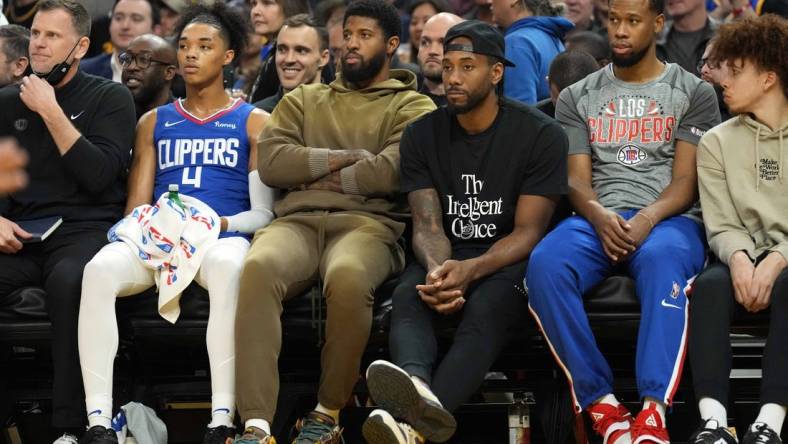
(261, 198)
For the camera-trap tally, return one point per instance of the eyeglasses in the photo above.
(705, 61)
(142, 60)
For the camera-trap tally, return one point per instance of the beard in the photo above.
(366, 70)
(630, 60)
(474, 99)
(433, 75)
(147, 93)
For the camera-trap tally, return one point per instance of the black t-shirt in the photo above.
(88, 183)
(480, 177)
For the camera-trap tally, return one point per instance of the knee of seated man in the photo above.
(65, 279)
(263, 263)
(347, 285)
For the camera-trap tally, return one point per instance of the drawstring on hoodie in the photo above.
(757, 157)
(781, 155)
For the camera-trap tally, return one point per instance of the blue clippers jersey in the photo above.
(208, 159)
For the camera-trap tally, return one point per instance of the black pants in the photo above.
(495, 308)
(712, 309)
(56, 265)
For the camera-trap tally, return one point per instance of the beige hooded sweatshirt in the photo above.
(314, 119)
(743, 188)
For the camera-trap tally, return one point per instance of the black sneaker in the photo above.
(218, 435)
(711, 433)
(760, 433)
(99, 435)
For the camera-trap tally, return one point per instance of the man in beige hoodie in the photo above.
(335, 150)
(742, 193)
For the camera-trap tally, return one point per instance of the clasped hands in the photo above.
(445, 286)
(752, 284)
(621, 237)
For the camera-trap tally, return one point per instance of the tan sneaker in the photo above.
(317, 428)
(253, 435)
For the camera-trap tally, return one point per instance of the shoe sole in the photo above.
(376, 431)
(394, 391)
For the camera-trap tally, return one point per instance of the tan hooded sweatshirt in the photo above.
(743, 188)
(313, 119)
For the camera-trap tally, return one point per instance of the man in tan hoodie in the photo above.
(335, 150)
(741, 172)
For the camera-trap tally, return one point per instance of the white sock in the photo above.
(608, 399)
(424, 389)
(658, 405)
(710, 408)
(772, 415)
(261, 424)
(222, 409)
(327, 411)
(99, 411)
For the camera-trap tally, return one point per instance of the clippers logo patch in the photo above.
(631, 155)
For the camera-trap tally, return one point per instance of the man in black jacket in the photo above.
(483, 177)
(77, 130)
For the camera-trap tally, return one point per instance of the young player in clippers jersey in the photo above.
(203, 144)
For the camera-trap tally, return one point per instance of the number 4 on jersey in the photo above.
(193, 181)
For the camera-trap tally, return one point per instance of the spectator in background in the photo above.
(79, 131)
(714, 72)
(419, 12)
(741, 176)
(21, 12)
(482, 10)
(431, 55)
(601, 10)
(14, 59)
(329, 15)
(267, 17)
(590, 43)
(534, 35)
(581, 13)
(149, 66)
(130, 18)
(567, 68)
(686, 34)
(301, 55)
(171, 11)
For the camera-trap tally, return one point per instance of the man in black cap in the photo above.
(483, 177)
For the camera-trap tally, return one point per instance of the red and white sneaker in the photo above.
(611, 422)
(649, 428)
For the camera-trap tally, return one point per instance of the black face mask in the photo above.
(59, 71)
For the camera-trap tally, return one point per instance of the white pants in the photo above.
(116, 271)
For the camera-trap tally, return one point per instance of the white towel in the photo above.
(172, 242)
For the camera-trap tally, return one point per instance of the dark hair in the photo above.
(294, 7)
(16, 41)
(570, 67)
(439, 5)
(761, 40)
(155, 10)
(325, 8)
(300, 20)
(80, 18)
(232, 25)
(385, 14)
(590, 42)
(658, 6)
(542, 7)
